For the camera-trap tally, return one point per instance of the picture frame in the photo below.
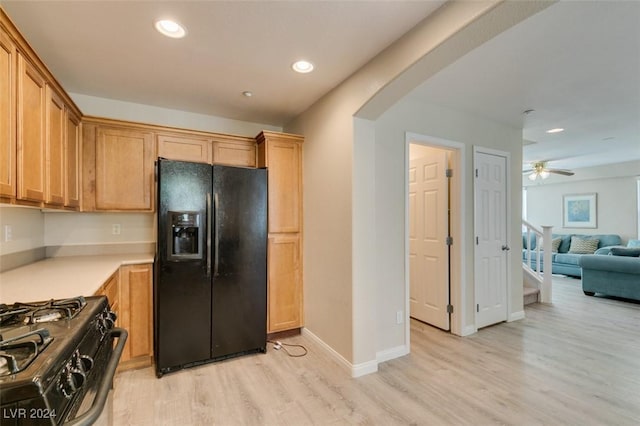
(579, 211)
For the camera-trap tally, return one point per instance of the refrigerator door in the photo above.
(239, 263)
(182, 289)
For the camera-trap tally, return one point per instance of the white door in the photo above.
(428, 232)
(491, 249)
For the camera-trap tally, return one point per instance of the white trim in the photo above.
(516, 316)
(507, 156)
(458, 319)
(354, 370)
(392, 353)
(468, 330)
(638, 202)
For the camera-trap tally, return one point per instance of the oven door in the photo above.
(97, 396)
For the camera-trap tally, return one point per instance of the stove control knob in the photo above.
(85, 363)
(66, 384)
(76, 377)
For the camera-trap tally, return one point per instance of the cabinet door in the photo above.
(285, 199)
(136, 312)
(31, 132)
(72, 160)
(285, 292)
(234, 153)
(124, 169)
(184, 148)
(7, 117)
(54, 153)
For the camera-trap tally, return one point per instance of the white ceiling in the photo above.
(576, 63)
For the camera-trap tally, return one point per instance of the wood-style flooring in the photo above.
(574, 362)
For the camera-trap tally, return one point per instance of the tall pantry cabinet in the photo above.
(282, 155)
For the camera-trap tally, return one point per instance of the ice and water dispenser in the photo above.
(185, 236)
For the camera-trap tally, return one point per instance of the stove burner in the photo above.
(16, 353)
(33, 313)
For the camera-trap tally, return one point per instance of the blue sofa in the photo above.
(617, 274)
(566, 263)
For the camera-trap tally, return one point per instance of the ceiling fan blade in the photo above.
(561, 172)
(527, 171)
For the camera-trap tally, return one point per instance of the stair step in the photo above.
(530, 295)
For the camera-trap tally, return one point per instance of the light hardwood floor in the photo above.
(575, 362)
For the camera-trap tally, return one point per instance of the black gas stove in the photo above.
(57, 360)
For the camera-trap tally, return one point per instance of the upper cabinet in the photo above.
(234, 151)
(34, 123)
(118, 168)
(73, 156)
(7, 117)
(184, 148)
(282, 154)
(31, 131)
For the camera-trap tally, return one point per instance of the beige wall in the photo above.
(27, 229)
(63, 229)
(337, 252)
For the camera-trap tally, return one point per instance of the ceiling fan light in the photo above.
(533, 176)
(544, 174)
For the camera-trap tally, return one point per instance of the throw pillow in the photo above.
(583, 245)
(625, 251)
(633, 243)
(555, 244)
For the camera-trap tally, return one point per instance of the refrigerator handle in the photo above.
(216, 235)
(209, 215)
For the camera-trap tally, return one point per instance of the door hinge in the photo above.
(449, 240)
(477, 241)
(448, 173)
(449, 309)
(476, 172)
(478, 307)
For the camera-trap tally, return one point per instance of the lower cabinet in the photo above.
(284, 281)
(130, 295)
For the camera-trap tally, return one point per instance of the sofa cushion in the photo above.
(568, 258)
(583, 245)
(605, 239)
(565, 244)
(633, 243)
(625, 251)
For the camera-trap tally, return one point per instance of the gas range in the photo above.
(57, 360)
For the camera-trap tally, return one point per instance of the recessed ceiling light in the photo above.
(302, 66)
(170, 28)
(556, 130)
(247, 93)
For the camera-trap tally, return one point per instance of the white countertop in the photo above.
(63, 277)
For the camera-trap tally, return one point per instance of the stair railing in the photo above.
(542, 276)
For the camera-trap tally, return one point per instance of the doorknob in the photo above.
(506, 248)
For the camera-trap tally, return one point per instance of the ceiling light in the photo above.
(247, 93)
(302, 66)
(556, 130)
(170, 28)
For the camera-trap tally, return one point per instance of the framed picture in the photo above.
(579, 211)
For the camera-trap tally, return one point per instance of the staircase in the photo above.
(536, 281)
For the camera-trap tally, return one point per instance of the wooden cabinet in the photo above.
(34, 168)
(184, 148)
(130, 296)
(136, 314)
(118, 168)
(234, 151)
(7, 117)
(54, 149)
(285, 282)
(282, 155)
(72, 160)
(31, 132)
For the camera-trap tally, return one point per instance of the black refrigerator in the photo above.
(210, 284)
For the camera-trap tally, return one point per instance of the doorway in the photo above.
(435, 290)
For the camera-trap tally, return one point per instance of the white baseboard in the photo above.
(364, 368)
(392, 353)
(468, 330)
(516, 316)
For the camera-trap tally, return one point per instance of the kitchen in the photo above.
(57, 163)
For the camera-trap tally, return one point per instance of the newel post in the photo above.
(546, 291)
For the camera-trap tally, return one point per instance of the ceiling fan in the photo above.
(540, 170)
